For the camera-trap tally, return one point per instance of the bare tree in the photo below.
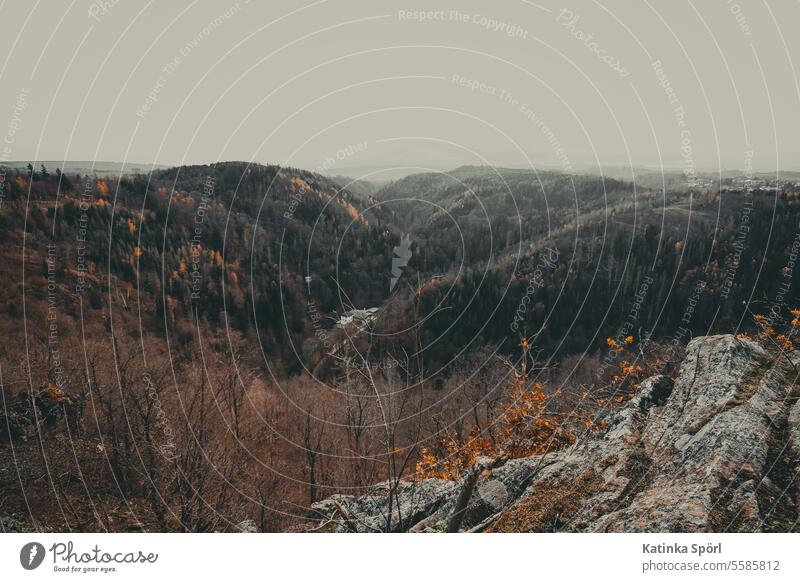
(313, 433)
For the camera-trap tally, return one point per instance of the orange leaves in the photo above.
(619, 346)
(630, 369)
(55, 393)
(526, 426)
(351, 210)
(629, 378)
(428, 465)
(137, 252)
(523, 426)
(300, 185)
(614, 344)
(784, 338)
(528, 420)
(630, 373)
(455, 457)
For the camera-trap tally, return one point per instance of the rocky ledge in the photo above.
(716, 449)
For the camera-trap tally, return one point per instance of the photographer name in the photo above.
(696, 549)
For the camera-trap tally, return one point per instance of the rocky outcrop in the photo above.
(716, 449)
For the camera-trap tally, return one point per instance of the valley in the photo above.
(206, 348)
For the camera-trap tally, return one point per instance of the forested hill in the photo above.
(573, 260)
(229, 239)
(216, 295)
(232, 244)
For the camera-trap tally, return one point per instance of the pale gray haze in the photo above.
(349, 87)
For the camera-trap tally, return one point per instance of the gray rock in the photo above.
(717, 450)
(247, 526)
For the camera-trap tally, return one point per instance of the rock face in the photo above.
(717, 450)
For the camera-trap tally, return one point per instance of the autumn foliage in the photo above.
(525, 426)
(776, 332)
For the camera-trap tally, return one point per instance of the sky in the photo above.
(333, 85)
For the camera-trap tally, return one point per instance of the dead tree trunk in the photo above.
(483, 466)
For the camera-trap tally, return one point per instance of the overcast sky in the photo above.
(339, 84)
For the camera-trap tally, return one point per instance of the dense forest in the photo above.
(198, 340)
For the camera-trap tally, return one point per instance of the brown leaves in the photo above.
(525, 426)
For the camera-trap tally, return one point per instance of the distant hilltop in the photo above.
(88, 167)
